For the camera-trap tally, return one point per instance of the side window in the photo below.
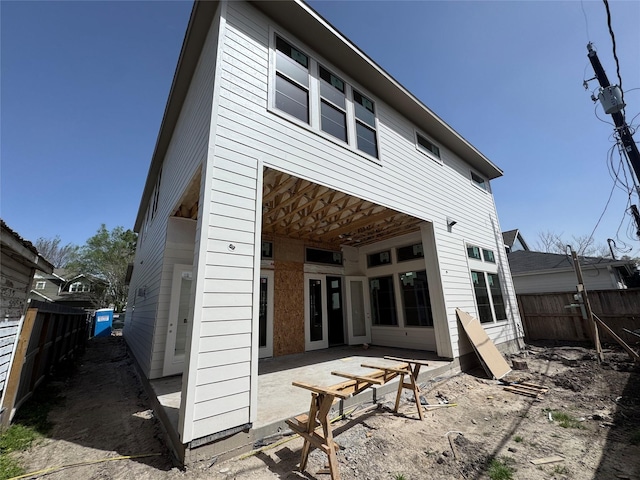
(479, 181)
(292, 81)
(427, 146)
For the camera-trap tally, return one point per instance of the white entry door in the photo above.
(358, 312)
(315, 315)
(180, 314)
(265, 320)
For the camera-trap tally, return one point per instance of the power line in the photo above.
(613, 41)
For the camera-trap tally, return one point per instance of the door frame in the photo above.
(267, 351)
(174, 365)
(351, 338)
(324, 342)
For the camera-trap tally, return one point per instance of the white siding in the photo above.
(145, 323)
(432, 192)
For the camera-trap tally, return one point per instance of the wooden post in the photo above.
(13, 381)
(587, 305)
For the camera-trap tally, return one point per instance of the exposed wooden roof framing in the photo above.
(298, 208)
(188, 205)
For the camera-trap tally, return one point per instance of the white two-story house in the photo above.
(298, 198)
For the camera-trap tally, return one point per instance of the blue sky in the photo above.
(84, 85)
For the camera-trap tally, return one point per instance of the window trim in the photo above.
(315, 99)
(485, 275)
(41, 285)
(420, 148)
(334, 252)
(485, 182)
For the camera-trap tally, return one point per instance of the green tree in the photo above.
(58, 255)
(106, 256)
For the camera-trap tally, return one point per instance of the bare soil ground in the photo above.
(104, 414)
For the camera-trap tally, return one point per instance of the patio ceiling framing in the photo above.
(298, 208)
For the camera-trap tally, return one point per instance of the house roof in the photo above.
(509, 237)
(22, 250)
(302, 21)
(523, 262)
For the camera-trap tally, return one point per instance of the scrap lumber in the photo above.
(632, 353)
(526, 389)
(632, 332)
(545, 460)
(492, 360)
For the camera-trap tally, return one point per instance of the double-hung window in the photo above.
(333, 104)
(309, 92)
(292, 81)
(365, 124)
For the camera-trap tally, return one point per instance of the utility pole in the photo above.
(610, 97)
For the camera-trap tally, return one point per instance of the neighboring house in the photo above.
(298, 198)
(19, 262)
(73, 290)
(513, 241)
(538, 272)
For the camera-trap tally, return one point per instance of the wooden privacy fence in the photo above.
(545, 317)
(50, 335)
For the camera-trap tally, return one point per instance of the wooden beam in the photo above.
(632, 353)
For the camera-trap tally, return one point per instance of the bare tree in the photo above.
(58, 255)
(551, 242)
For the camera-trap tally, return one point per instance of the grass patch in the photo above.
(30, 424)
(518, 439)
(560, 469)
(501, 469)
(635, 438)
(9, 467)
(566, 421)
(399, 476)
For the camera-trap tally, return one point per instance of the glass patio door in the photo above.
(315, 315)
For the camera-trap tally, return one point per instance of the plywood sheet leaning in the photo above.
(490, 357)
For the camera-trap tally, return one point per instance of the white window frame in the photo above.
(484, 267)
(73, 288)
(476, 184)
(424, 151)
(41, 285)
(314, 124)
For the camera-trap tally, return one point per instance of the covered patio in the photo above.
(279, 400)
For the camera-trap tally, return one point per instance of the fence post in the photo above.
(587, 305)
(15, 373)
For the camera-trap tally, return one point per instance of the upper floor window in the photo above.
(427, 146)
(79, 287)
(479, 181)
(41, 285)
(333, 104)
(314, 95)
(156, 195)
(292, 81)
(365, 124)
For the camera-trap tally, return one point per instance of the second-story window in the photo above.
(308, 92)
(292, 81)
(365, 124)
(333, 104)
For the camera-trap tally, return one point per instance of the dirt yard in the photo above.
(104, 414)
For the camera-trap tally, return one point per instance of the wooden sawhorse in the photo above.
(323, 398)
